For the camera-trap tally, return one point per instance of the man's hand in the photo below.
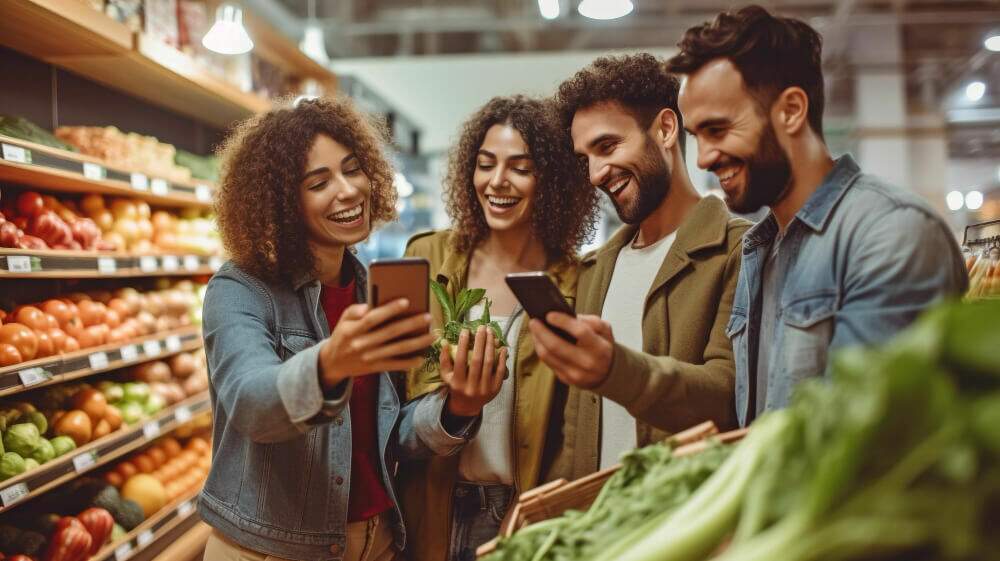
(585, 364)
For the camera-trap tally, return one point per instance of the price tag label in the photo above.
(130, 353)
(160, 187)
(151, 429)
(191, 263)
(145, 538)
(215, 263)
(139, 182)
(18, 263)
(94, 171)
(151, 348)
(170, 263)
(203, 193)
(83, 462)
(148, 264)
(185, 509)
(14, 494)
(17, 154)
(98, 360)
(183, 414)
(33, 376)
(107, 265)
(123, 552)
(173, 343)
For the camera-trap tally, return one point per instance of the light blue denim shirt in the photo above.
(281, 464)
(858, 263)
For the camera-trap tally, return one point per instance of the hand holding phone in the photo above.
(539, 295)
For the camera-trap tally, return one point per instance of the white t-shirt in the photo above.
(489, 457)
(634, 273)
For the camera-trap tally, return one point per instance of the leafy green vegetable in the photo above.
(455, 312)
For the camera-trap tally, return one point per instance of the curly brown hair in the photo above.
(258, 201)
(565, 209)
(639, 83)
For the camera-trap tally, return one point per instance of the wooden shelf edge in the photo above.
(171, 510)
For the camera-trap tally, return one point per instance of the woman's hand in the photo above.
(474, 383)
(366, 341)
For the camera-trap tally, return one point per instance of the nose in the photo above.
(497, 179)
(708, 155)
(598, 171)
(347, 190)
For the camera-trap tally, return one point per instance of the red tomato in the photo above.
(21, 337)
(72, 345)
(30, 204)
(45, 345)
(58, 309)
(9, 355)
(58, 337)
(92, 313)
(32, 317)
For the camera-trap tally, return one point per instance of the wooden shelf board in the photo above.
(53, 28)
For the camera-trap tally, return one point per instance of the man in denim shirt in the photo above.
(842, 258)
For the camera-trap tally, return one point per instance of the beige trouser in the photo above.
(370, 540)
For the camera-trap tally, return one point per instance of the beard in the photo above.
(652, 180)
(769, 173)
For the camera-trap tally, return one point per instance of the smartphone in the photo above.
(539, 296)
(392, 279)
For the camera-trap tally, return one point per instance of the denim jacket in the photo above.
(861, 260)
(280, 479)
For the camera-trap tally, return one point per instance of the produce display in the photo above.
(984, 271)
(55, 537)
(455, 320)
(897, 456)
(35, 221)
(126, 150)
(19, 127)
(162, 472)
(81, 320)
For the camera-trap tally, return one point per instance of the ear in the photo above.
(791, 110)
(666, 129)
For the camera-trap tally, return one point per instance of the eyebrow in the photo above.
(603, 138)
(489, 154)
(323, 169)
(715, 122)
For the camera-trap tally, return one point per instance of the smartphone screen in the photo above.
(539, 296)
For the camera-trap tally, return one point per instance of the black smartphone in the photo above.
(391, 279)
(539, 296)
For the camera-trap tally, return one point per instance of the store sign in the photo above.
(14, 494)
(94, 171)
(140, 182)
(33, 376)
(16, 154)
(18, 264)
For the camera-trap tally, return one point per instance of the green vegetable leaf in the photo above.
(443, 298)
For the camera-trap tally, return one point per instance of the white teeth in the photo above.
(618, 186)
(347, 215)
(728, 175)
(503, 201)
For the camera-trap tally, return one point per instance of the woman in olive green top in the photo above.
(518, 201)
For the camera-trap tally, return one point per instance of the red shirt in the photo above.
(368, 496)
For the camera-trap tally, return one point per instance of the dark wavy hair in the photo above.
(771, 53)
(565, 209)
(639, 83)
(258, 201)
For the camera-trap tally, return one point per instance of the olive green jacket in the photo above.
(684, 373)
(426, 486)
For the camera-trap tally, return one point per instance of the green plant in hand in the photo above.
(455, 313)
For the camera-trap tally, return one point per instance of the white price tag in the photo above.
(129, 353)
(148, 264)
(170, 263)
(93, 171)
(203, 193)
(123, 552)
(185, 509)
(18, 263)
(14, 494)
(151, 429)
(173, 344)
(33, 376)
(83, 462)
(145, 538)
(17, 154)
(151, 348)
(160, 187)
(139, 182)
(98, 360)
(183, 414)
(191, 262)
(215, 263)
(107, 265)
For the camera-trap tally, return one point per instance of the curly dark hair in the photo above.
(565, 209)
(771, 53)
(258, 201)
(639, 83)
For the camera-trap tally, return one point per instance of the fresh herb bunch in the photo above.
(455, 312)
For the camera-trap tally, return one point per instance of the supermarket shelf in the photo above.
(31, 484)
(41, 166)
(34, 264)
(189, 547)
(87, 362)
(273, 46)
(152, 529)
(74, 36)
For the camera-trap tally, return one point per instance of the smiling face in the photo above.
(335, 195)
(504, 178)
(736, 140)
(622, 159)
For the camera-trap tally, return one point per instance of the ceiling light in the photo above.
(975, 90)
(313, 44)
(549, 8)
(993, 42)
(973, 200)
(955, 200)
(605, 9)
(227, 35)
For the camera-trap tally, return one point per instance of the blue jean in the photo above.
(477, 511)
